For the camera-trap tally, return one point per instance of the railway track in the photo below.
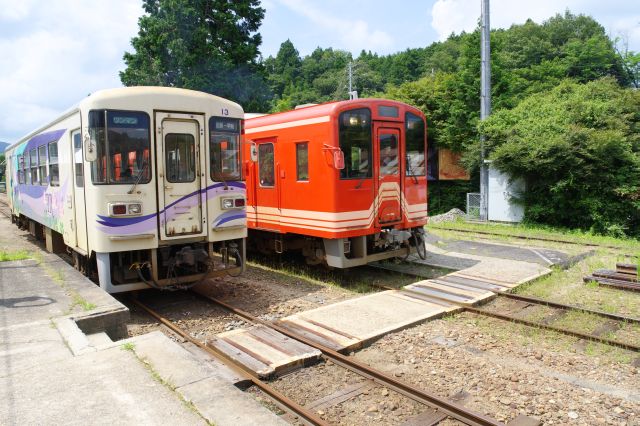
(524, 237)
(537, 324)
(443, 406)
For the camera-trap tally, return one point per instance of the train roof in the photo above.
(320, 110)
(122, 93)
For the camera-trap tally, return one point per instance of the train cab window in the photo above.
(54, 172)
(388, 154)
(224, 148)
(355, 143)
(77, 158)
(180, 151)
(33, 163)
(302, 161)
(266, 168)
(415, 142)
(122, 145)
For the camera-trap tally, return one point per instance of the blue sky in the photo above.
(55, 52)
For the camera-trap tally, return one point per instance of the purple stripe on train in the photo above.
(114, 225)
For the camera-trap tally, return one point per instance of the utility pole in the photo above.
(353, 94)
(485, 103)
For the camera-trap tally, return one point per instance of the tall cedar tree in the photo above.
(207, 45)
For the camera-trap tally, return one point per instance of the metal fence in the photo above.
(473, 205)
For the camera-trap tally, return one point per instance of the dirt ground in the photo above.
(509, 370)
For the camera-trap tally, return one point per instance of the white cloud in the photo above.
(56, 53)
(354, 34)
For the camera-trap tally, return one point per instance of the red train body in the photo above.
(344, 182)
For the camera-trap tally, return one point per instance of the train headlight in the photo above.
(135, 208)
(227, 203)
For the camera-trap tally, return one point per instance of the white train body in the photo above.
(142, 184)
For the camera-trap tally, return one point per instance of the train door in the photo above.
(180, 175)
(77, 236)
(388, 152)
(266, 185)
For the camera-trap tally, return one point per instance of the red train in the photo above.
(343, 182)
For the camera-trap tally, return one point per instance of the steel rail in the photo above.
(552, 304)
(568, 332)
(290, 405)
(447, 407)
(524, 237)
(510, 318)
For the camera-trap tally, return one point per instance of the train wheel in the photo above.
(419, 241)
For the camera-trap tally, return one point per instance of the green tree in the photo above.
(207, 45)
(578, 149)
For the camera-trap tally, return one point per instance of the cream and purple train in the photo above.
(142, 186)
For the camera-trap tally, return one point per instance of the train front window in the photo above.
(180, 150)
(224, 148)
(122, 147)
(355, 143)
(388, 154)
(415, 140)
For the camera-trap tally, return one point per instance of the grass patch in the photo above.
(7, 256)
(129, 346)
(540, 231)
(361, 280)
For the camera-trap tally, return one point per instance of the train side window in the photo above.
(355, 142)
(302, 161)
(20, 169)
(266, 168)
(180, 157)
(77, 158)
(33, 163)
(415, 142)
(54, 172)
(42, 164)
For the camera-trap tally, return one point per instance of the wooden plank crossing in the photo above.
(264, 351)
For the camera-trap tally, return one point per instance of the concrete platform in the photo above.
(541, 256)
(265, 352)
(351, 324)
(59, 363)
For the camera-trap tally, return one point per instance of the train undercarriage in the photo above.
(342, 252)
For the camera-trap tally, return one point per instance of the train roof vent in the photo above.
(304, 106)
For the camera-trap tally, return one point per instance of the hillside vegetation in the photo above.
(566, 115)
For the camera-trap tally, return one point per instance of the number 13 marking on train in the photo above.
(225, 111)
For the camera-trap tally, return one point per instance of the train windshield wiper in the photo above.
(140, 173)
(219, 176)
(410, 170)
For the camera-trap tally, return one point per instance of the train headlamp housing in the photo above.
(232, 203)
(125, 209)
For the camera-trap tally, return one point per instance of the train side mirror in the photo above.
(338, 159)
(254, 152)
(90, 150)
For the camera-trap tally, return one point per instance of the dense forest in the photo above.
(566, 109)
